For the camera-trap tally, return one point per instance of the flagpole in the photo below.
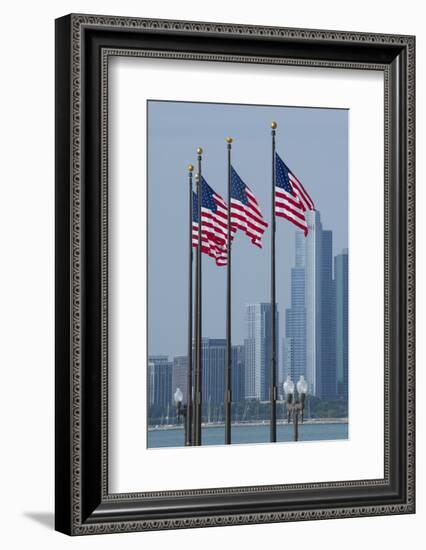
(273, 386)
(198, 315)
(228, 366)
(189, 396)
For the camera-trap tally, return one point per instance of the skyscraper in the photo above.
(327, 377)
(309, 344)
(213, 375)
(258, 350)
(238, 373)
(160, 380)
(179, 375)
(341, 286)
(214, 353)
(313, 249)
(294, 344)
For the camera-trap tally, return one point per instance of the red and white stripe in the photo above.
(290, 207)
(301, 192)
(213, 231)
(248, 218)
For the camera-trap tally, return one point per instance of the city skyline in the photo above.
(298, 238)
(319, 308)
(315, 343)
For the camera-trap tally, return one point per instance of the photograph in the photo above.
(273, 183)
(235, 273)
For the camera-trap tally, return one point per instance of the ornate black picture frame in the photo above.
(83, 46)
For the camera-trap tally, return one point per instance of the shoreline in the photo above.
(311, 421)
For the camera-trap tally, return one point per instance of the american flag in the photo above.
(291, 198)
(214, 223)
(245, 211)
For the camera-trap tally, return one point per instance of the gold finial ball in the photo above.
(228, 140)
(190, 168)
(199, 151)
(273, 125)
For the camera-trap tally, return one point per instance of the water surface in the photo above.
(214, 435)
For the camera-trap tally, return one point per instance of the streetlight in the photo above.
(295, 406)
(181, 410)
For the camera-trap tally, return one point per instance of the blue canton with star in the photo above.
(282, 178)
(207, 196)
(238, 188)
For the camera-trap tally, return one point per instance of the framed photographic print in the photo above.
(234, 274)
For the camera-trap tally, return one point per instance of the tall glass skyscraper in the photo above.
(258, 350)
(310, 340)
(294, 344)
(327, 384)
(313, 265)
(341, 286)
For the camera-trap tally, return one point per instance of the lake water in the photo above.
(250, 434)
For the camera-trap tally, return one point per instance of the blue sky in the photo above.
(314, 144)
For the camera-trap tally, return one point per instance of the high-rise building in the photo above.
(313, 248)
(327, 388)
(258, 350)
(160, 380)
(341, 288)
(179, 375)
(213, 370)
(294, 343)
(295, 329)
(320, 371)
(238, 373)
